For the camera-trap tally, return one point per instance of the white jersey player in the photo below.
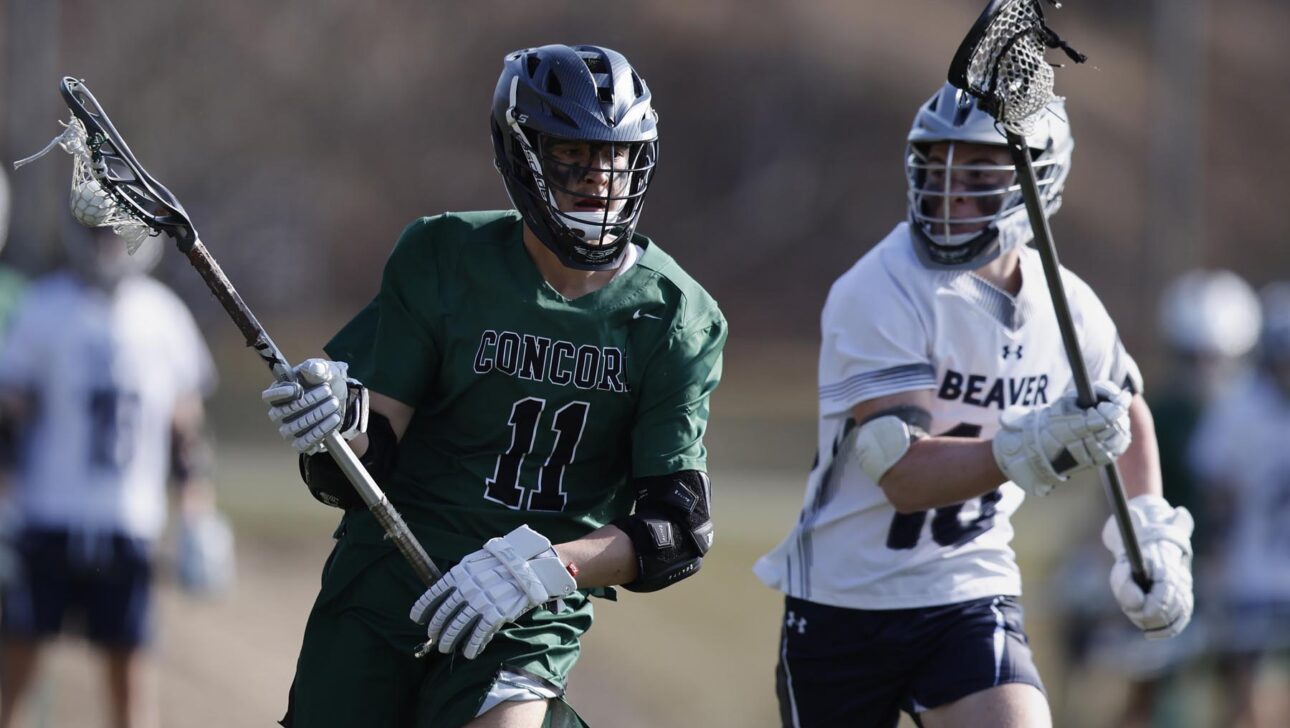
(1242, 460)
(945, 396)
(101, 381)
(108, 373)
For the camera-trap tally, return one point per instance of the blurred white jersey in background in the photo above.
(892, 325)
(104, 372)
(1243, 444)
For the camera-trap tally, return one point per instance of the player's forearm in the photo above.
(195, 495)
(604, 557)
(359, 444)
(394, 411)
(940, 471)
(1140, 464)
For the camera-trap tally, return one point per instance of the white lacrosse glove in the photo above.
(321, 400)
(204, 560)
(490, 588)
(1040, 448)
(1164, 534)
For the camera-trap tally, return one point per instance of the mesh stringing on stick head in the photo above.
(1001, 61)
(93, 204)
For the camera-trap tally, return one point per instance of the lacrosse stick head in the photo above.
(109, 186)
(1001, 62)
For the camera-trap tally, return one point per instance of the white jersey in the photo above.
(892, 325)
(104, 373)
(1243, 444)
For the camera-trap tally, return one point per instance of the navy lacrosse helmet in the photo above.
(952, 117)
(576, 140)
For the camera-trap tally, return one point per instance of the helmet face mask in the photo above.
(964, 203)
(593, 189)
(576, 143)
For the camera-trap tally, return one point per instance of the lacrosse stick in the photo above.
(1001, 62)
(111, 189)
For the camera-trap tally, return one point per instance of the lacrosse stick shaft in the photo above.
(337, 447)
(1079, 372)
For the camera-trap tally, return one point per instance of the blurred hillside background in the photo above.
(302, 135)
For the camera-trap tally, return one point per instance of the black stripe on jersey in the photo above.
(822, 496)
(861, 386)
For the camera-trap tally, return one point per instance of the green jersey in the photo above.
(529, 407)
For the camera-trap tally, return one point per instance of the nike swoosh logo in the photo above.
(641, 314)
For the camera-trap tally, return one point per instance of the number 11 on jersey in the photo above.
(504, 486)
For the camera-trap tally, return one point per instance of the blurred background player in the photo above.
(945, 396)
(1209, 322)
(539, 388)
(102, 378)
(1241, 452)
(10, 281)
(11, 285)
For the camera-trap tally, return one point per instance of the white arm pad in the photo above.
(881, 443)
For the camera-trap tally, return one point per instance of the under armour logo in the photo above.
(1007, 351)
(642, 314)
(795, 622)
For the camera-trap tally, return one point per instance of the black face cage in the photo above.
(625, 184)
(593, 238)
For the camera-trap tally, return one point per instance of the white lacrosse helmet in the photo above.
(1210, 312)
(100, 256)
(952, 116)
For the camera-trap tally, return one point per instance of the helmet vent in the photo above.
(560, 115)
(531, 63)
(553, 86)
(605, 94)
(638, 86)
(595, 64)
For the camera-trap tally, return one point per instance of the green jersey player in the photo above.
(528, 378)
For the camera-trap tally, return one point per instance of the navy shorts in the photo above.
(95, 584)
(859, 668)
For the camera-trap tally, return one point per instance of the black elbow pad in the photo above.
(329, 486)
(671, 528)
